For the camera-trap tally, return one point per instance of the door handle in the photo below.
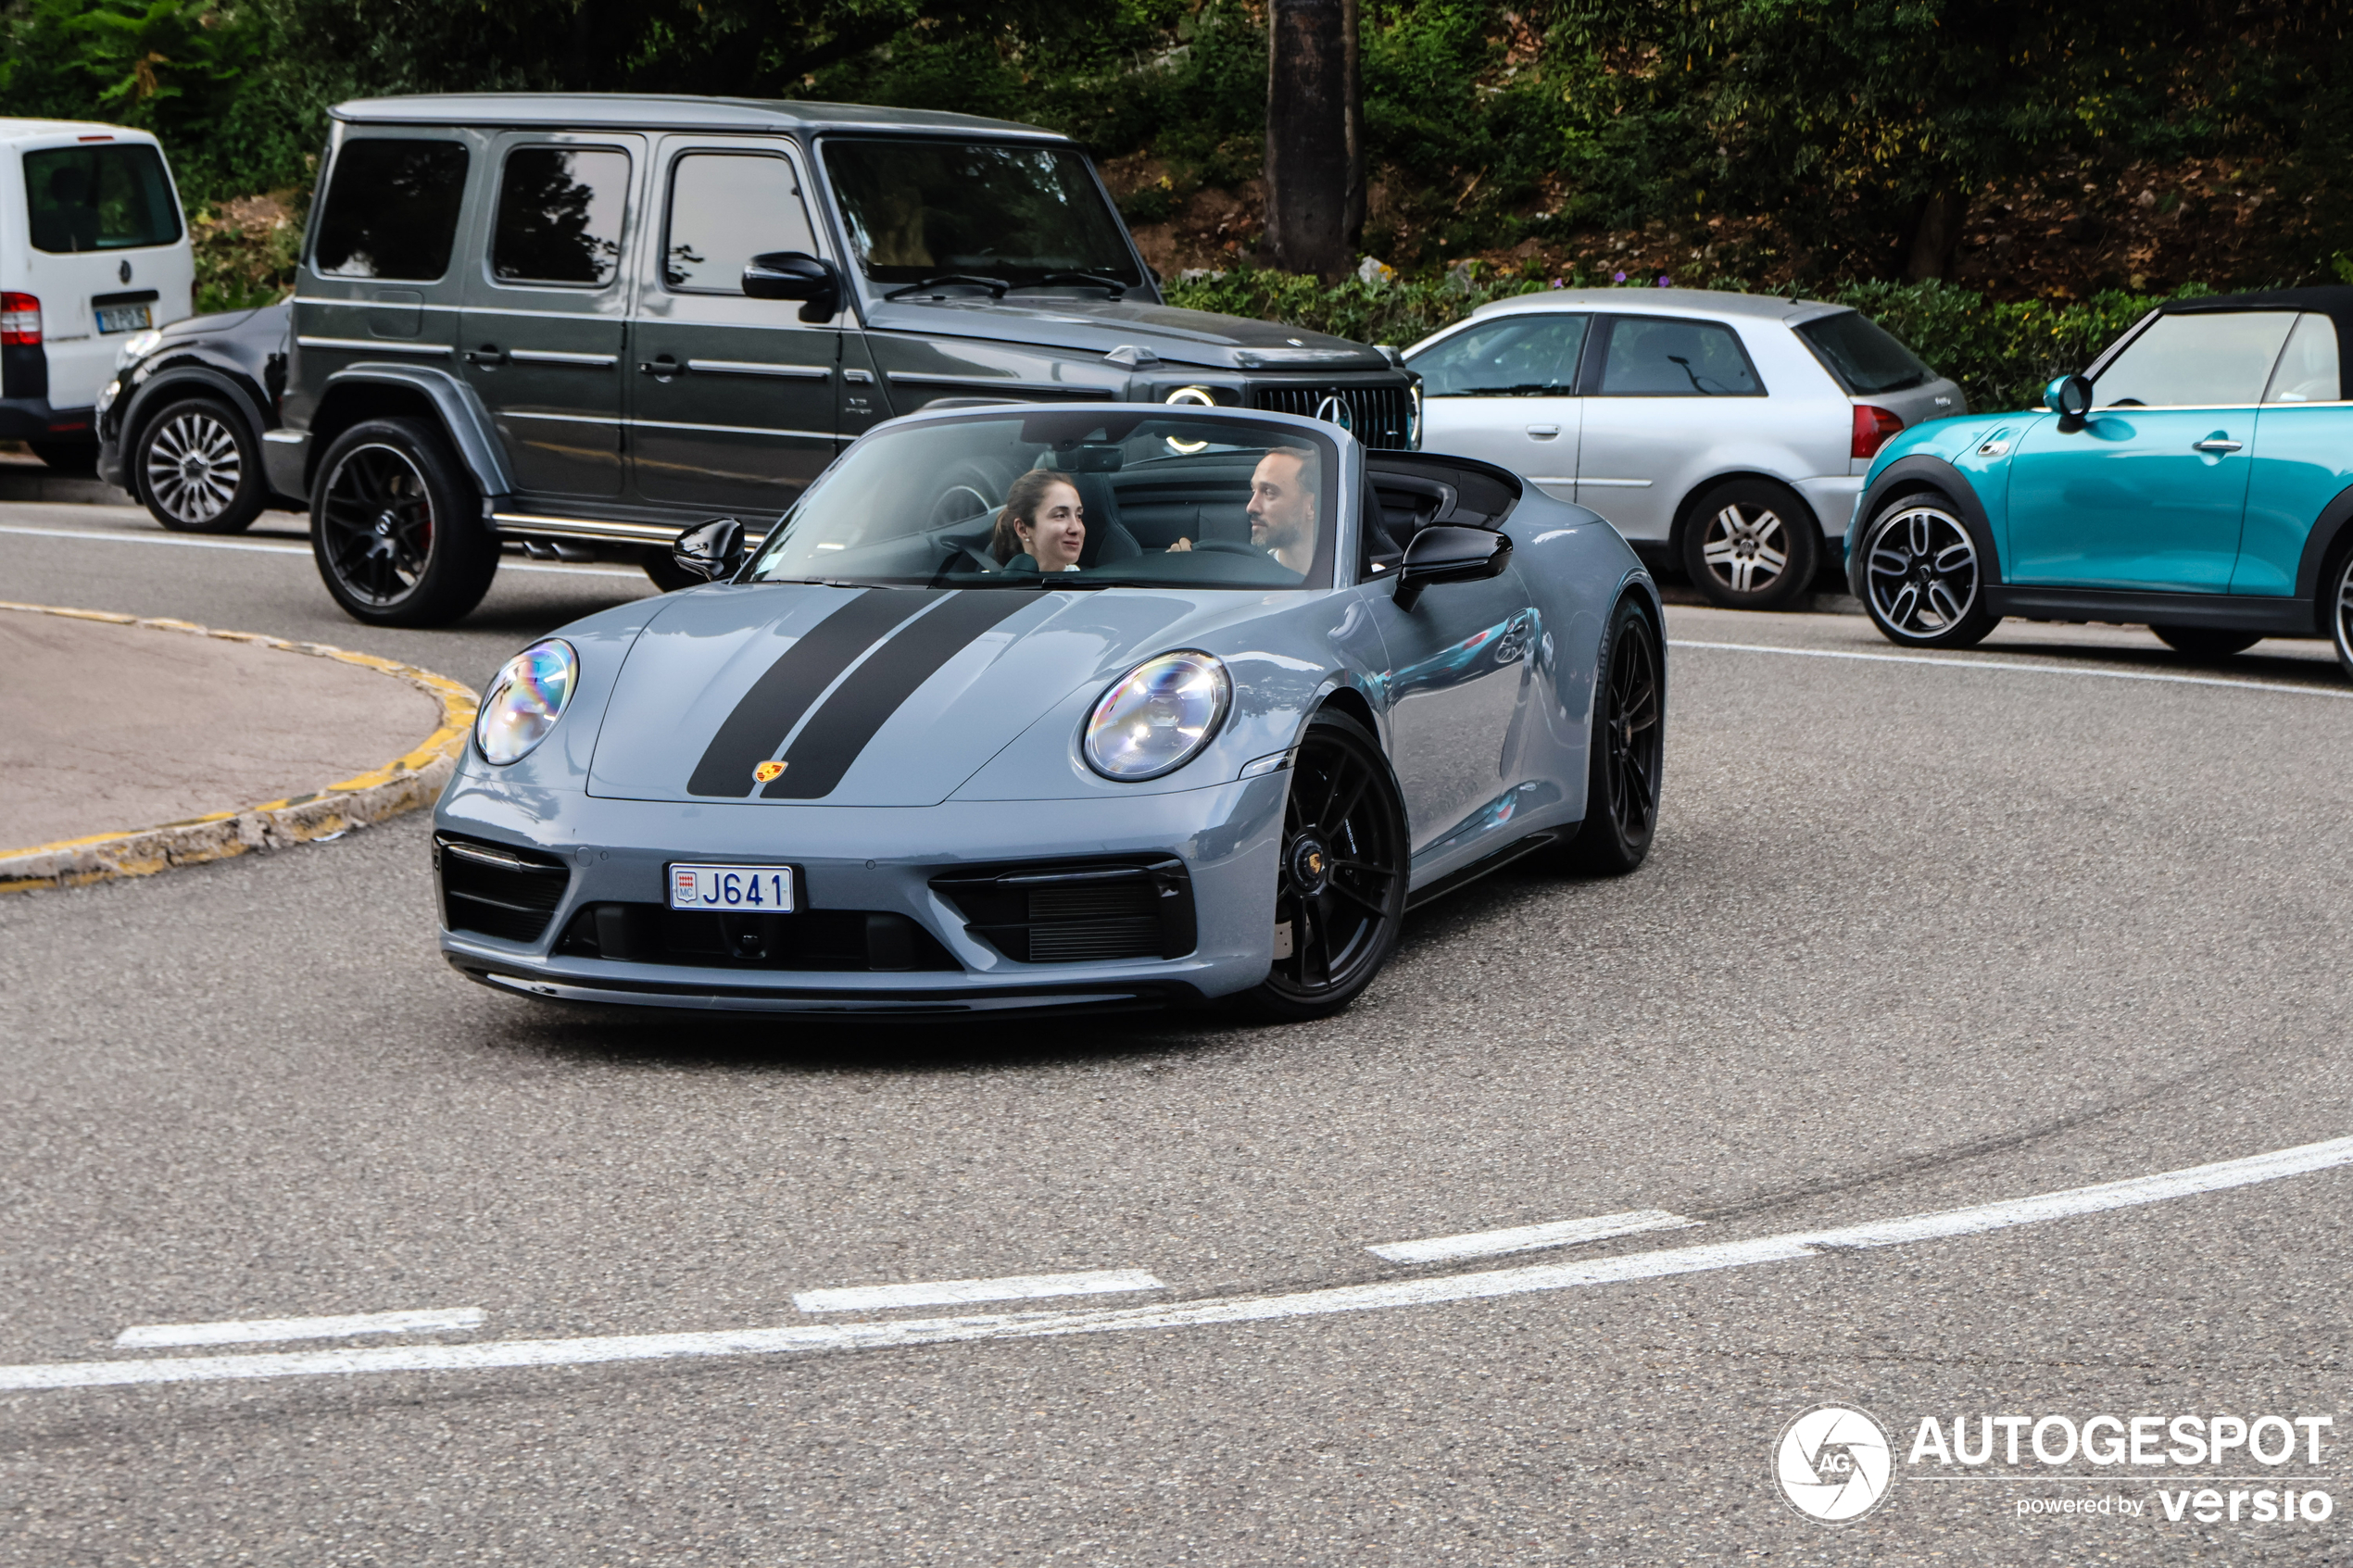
(2217, 444)
(488, 354)
(661, 368)
(1544, 433)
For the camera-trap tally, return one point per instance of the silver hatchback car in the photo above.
(1724, 435)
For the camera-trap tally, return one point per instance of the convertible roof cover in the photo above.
(652, 111)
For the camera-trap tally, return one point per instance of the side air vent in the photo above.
(495, 890)
(1077, 912)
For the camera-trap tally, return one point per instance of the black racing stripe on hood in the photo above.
(767, 712)
(837, 732)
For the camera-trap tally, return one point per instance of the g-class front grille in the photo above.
(496, 890)
(1377, 416)
(1077, 912)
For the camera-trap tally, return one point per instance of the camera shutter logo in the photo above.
(1834, 1463)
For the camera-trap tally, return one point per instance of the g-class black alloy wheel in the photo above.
(397, 542)
(1339, 895)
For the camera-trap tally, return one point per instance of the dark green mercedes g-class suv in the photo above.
(586, 322)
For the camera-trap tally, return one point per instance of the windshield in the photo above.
(1864, 356)
(1017, 216)
(1067, 498)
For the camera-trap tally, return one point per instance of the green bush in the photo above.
(2002, 353)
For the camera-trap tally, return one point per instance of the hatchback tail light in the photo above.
(1873, 428)
(19, 319)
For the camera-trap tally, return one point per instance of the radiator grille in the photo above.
(496, 890)
(1379, 416)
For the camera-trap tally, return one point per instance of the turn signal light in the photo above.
(1873, 429)
(19, 319)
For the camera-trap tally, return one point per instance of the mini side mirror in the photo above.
(792, 274)
(710, 550)
(2069, 398)
(1443, 553)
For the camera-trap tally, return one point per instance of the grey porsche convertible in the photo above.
(1052, 706)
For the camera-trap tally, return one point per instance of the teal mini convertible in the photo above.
(2196, 479)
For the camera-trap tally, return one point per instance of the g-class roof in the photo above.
(655, 111)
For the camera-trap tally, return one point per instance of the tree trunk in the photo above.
(1307, 135)
(1353, 211)
(1936, 234)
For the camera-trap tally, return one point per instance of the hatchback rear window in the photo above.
(1862, 356)
(99, 198)
(392, 209)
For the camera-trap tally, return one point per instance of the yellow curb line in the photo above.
(402, 784)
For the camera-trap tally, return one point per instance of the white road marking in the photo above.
(259, 549)
(1527, 1238)
(255, 1331)
(1429, 1290)
(954, 1292)
(2091, 670)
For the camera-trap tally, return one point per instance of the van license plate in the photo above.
(125, 318)
(761, 889)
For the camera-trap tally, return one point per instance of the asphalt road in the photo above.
(1918, 936)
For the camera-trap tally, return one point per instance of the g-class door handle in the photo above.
(488, 354)
(661, 368)
(2217, 444)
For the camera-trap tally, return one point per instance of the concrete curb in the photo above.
(402, 784)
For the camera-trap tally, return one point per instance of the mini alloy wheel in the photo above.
(1339, 894)
(397, 541)
(1921, 578)
(1750, 546)
(195, 469)
(2341, 612)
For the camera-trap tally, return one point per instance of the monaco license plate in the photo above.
(753, 889)
(125, 318)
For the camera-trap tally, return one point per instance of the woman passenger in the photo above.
(1043, 526)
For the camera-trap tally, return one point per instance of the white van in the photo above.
(92, 249)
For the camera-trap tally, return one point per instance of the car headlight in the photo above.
(135, 347)
(1155, 717)
(526, 700)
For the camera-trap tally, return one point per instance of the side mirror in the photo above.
(1443, 553)
(2069, 398)
(710, 550)
(792, 274)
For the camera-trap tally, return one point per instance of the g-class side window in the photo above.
(559, 212)
(724, 209)
(392, 209)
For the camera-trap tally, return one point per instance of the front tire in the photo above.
(196, 467)
(1921, 578)
(1339, 893)
(396, 527)
(1751, 545)
(2340, 602)
(1628, 749)
(2206, 641)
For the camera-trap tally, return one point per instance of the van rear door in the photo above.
(108, 256)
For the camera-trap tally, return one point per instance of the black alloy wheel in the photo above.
(2339, 609)
(1921, 577)
(1628, 752)
(1339, 892)
(1751, 545)
(396, 531)
(196, 467)
(2206, 641)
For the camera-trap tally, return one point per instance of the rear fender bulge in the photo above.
(1769, 472)
(367, 391)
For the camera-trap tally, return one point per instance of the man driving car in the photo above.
(1283, 498)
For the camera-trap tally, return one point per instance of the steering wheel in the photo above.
(955, 504)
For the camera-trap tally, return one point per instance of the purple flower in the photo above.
(1617, 278)
(1556, 282)
(1665, 282)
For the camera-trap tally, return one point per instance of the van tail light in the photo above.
(19, 319)
(1873, 428)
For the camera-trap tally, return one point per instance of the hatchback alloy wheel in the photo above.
(1751, 544)
(1746, 548)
